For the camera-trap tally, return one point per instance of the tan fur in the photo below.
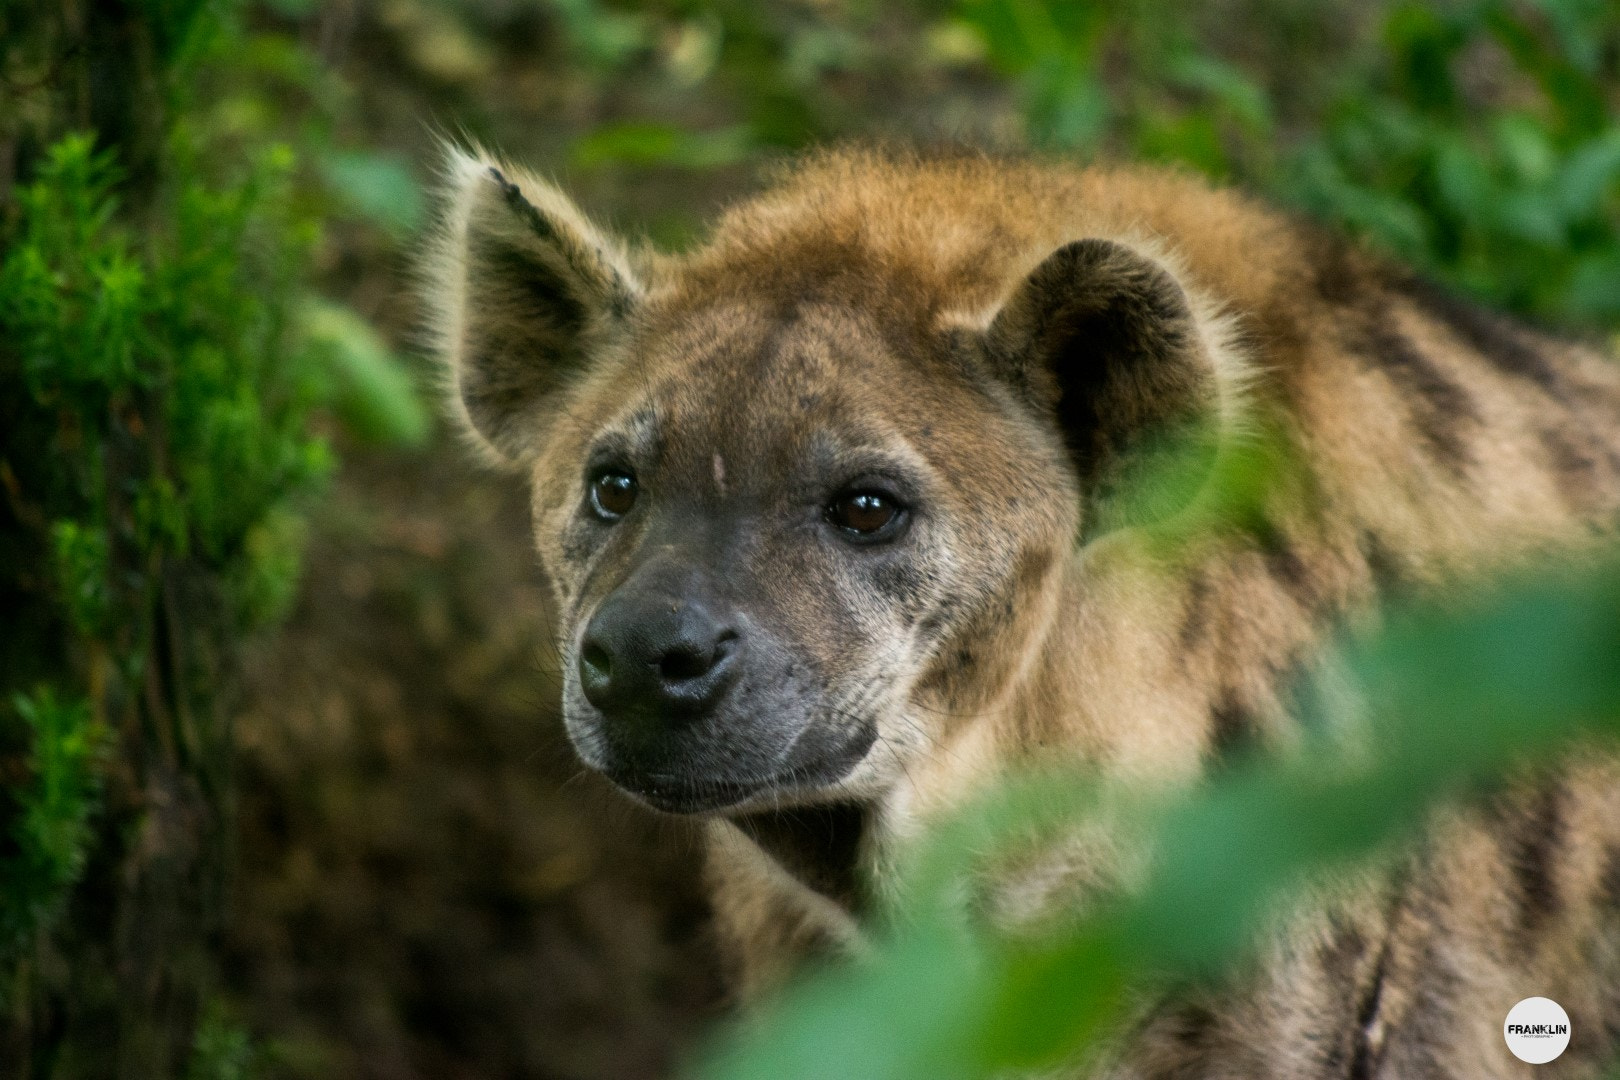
(1425, 443)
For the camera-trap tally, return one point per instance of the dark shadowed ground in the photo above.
(428, 884)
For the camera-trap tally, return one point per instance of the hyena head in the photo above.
(794, 501)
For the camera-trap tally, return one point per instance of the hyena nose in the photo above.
(655, 657)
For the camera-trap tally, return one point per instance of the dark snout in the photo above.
(668, 665)
(691, 704)
(654, 658)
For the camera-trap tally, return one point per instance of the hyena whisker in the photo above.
(578, 776)
(899, 760)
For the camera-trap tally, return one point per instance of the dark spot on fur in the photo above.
(1382, 563)
(1361, 1056)
(1532, 847)
(1234, 729)
(1430, 975)
(1337, 960)
(1284, 564)
(1611, 879)
(940, 620)
(1575, 471)
(1195, 613)
(618, 298)
(1439, 407)
(577, 544)
(523, 208)
(1343, 949)
(1491, 336)
(900, 583)
(617, 295)
(1192, 1024)
(933, 626)
(1340, 280)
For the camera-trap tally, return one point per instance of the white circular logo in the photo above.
(1536, 1030)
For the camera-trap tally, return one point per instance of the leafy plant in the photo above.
(164, 373)
(1518, 204)
(1478, 140)
(50, 826)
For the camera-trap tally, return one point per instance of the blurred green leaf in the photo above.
(49, 838)
(1590, 175)
(1225, 84)
(379, 187)
(651, 144)
(1594, 287)
(373, 394)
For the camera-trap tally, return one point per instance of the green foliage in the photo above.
(375, 398)
(1519, 204)
(223, 1050)
(1518, 201)
(1175, 101)
(167, 383)
(50, 825)
(377, 186)
(176, 345)
(1478, 140)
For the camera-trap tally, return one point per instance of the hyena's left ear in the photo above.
(1105, 340)
(524, 290)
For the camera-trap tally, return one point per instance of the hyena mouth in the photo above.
(818, 761)
(684, 795)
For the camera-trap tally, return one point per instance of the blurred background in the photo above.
(282, 785)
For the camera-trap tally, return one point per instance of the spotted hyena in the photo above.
(844, 513)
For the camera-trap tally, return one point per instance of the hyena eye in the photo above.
(612, 495)
(866, 515)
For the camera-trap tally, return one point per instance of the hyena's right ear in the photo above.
(523, 289)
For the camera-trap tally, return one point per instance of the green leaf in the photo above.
(1228, 84)
(1590, 176)
(1531, 216)
(377, 186)
(651, 144)
(1594, 287)
(1524, 146)
(373, 394)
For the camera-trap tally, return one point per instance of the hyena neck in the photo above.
(819, 846)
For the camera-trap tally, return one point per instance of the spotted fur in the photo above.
(1018, 341)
